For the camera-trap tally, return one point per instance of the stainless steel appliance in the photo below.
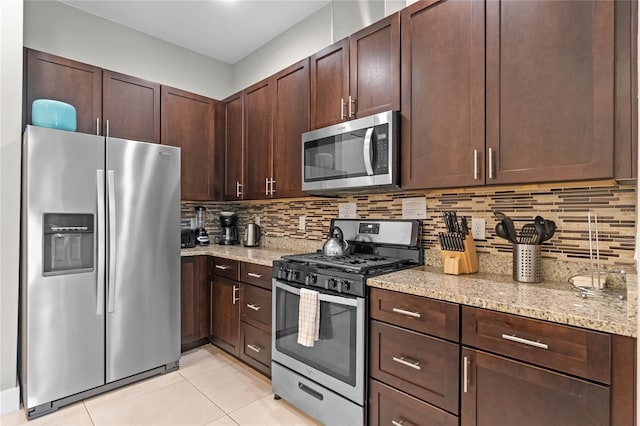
(328, 380)
(358, 155)
(252, 234)
(228, 229)
(100, 289)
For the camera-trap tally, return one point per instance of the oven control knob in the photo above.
(294, 275)
(333, 283)
(284, 273)
(310, 279)
(345, 286)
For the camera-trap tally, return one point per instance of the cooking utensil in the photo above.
(499, 215)
(528, 234)
(335, 245)
(510, 230)
(550, 230)
(541, 229)
(500, 231)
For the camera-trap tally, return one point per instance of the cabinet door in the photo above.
(290, 121)
(194, 298)
(225, 314)
(258, 137)
(60, 79)
(188, 122)
(499, 391)
(233, 148)
(330, 85)
(374, 68)
(131, 107)
(550, 90)
(442, 94)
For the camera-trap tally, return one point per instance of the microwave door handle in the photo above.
(366, 151)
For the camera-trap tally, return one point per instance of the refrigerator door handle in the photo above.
(111, 193)
(100, 242)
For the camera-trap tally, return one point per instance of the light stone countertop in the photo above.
(615, 312)
(558, 302)
(257, 255)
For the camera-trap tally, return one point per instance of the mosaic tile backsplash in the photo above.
(566, 204)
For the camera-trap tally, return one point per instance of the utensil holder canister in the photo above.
(527, 266)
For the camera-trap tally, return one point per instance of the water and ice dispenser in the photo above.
(68, 243)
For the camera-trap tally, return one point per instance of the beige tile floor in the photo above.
(211, 388)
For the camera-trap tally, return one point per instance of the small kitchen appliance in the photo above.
(228, 229)
(202, 237)
(252, 234)
(327, 380)
(187, 238)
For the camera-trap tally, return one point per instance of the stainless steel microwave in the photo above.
(355, 156)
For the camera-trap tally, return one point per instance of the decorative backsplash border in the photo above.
(567, 204)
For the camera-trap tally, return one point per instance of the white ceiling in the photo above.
(226, 30)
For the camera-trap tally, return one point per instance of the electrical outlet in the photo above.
(257, 220)
(477, 229)
(302, 223)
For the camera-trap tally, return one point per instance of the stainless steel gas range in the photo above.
(327, 379)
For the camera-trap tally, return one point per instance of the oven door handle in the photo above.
(323, 297)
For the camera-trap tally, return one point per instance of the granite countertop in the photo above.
(257, 255)
(559, 302)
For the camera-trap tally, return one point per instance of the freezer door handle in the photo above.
(100, 242)
(111, 193)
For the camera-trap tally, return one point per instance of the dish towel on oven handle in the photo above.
(308, 317)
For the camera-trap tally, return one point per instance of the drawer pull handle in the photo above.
(254, 307)
(525, 341)
(398, 423)
(223, 267)
(407, 313)
(254, 348)
(251, 274)
(402, 360)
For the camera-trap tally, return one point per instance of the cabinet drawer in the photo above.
(259, 275)
(255, 347)
(255, 306)
(388, 406)
(416, 313)
(423, 366)
(568, 349)
(224, 267)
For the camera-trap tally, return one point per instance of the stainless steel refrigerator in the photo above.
(100, 277)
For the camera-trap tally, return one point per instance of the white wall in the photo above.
(56, 28)
(10, 138)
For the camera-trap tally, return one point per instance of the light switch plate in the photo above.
(477, 229)
(257, 220)
(302, 223)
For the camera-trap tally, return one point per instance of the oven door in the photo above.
(336, 360)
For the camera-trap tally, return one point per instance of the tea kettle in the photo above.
(251, 235)
(335, 245)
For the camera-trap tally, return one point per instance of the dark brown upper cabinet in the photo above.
(233, 142)
(357, 76)
(78, 84)
(107, 103)
(290, 121)
(258, 137)
(188, 122)
(442, 94)
(264, 126)
(131, 107)
(550, 90)
(508, 92)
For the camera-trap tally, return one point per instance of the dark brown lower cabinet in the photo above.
(225, 314)
(194, 302)
(500, 391)
(255, 348)
(388, 406)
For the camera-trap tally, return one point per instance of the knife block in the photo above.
(461, 262)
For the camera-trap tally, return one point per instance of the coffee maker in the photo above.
(202, 238)
(229, 229)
